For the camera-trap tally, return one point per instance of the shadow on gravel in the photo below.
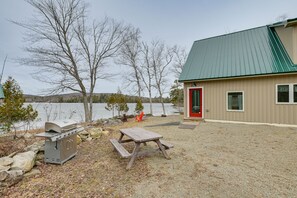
(165, 124)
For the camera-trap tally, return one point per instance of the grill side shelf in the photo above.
(63, 135)
(58, 136)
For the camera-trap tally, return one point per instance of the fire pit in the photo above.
(60, 141)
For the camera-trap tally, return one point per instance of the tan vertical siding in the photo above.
(294, 43)
(259, 100)
(286, 37)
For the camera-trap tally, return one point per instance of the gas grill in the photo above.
(60, 141)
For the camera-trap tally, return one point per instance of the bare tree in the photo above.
(180, 58)
(67, 53)
(130, 56)
(161, 57)
(146, 72)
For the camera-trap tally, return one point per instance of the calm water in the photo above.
(75, 111)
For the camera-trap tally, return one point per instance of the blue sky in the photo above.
(175, 22)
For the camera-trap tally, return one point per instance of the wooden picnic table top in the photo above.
(140, 134)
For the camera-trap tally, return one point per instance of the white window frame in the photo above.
(291, 94)
(233, 110)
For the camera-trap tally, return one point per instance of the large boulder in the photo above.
(36, 147)
(3, 175)
(4, 168)
(9, 178)
(25, 161)
(6, 161)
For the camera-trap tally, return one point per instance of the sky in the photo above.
(176, 22)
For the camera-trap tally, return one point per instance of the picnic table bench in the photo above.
(139, 136)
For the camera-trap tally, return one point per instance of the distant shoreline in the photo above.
(77, 98)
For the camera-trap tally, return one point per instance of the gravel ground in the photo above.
(212, 160)
(223, 160)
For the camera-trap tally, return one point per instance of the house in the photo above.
(246, 76)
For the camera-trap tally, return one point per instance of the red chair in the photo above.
(139, 117)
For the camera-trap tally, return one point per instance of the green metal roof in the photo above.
(1, 92)
(256, 51)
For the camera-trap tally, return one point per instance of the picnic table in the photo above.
(139, 136)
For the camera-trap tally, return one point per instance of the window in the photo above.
(283, 93)
(235, 101)
(286, 94)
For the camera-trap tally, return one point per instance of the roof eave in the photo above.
(236, 77)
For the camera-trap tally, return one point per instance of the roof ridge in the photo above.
(232, 33)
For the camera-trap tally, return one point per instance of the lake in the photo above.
(75, 111)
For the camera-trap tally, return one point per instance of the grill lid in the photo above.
(60, 126)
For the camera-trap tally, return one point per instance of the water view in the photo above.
(75, 111)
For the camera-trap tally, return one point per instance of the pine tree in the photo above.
(139, 106)
(12, 110)
(111, 103)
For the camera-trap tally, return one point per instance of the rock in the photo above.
(10, 177)
(4, 168)
(89, 139)
(105, 133)
(83, 137)
(24, 161)
(36, 147)
(78, 139)
(109, 122)
(40, 156)
(95, 133)
(38, 163)
(15, 168)
(5, 161)
(12, 154)
(33, 172)
(3, 175)
(84, 132)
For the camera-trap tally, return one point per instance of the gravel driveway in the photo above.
(222, 160)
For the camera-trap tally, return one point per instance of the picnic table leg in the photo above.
(134, 155)
(162, 149)
(121, 137)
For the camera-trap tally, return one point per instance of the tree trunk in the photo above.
(151, 103)
(163, 106)
(86, 108)
(161, 100)
(112, 111)
(91, 106)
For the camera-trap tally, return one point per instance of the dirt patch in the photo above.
(212, 160)
(10, 144)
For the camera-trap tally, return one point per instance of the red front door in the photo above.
(195, 101)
